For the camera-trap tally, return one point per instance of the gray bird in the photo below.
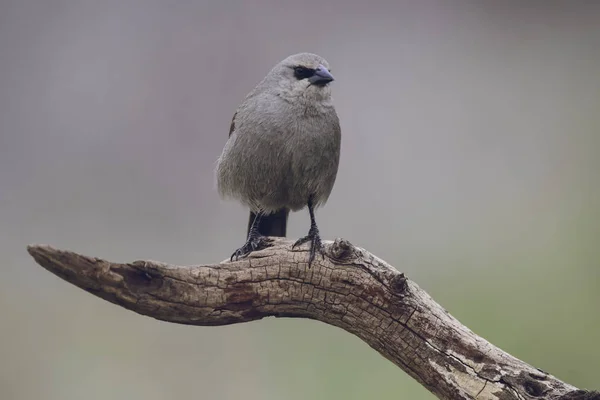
(283, 150)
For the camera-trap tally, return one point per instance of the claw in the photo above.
(254, 243)
(315, 245)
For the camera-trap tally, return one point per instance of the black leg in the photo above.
(312, 237)
(255, 240)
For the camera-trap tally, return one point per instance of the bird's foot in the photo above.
(255, 242)
(315, 244)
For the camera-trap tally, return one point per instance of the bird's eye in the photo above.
(303, 72)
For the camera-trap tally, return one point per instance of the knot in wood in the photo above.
(342, 249)
(398, 283)
(533, 388)
(138, 277)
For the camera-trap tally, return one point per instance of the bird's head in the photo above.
(303, 76)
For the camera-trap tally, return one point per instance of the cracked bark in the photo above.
(351, 289)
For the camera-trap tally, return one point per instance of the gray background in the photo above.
(469, 161)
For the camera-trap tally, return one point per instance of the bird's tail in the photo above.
(274, 224)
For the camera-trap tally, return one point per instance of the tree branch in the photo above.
(351, 289)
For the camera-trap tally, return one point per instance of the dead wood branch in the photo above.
(351, 289)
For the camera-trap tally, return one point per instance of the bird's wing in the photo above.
(232, 126)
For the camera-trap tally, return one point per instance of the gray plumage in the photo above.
(284, 143)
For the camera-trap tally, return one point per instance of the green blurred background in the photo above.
(471, 132)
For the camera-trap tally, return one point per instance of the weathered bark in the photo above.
(351, 289)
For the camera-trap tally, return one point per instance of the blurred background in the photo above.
(469, 161)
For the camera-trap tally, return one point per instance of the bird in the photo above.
(283, 151)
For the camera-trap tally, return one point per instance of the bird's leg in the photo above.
(312, 237)
(255, 240)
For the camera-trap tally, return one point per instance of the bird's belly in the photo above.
(314, 168)
(273, 171)
(289, 181)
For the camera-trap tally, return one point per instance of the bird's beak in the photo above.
(321, 77)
